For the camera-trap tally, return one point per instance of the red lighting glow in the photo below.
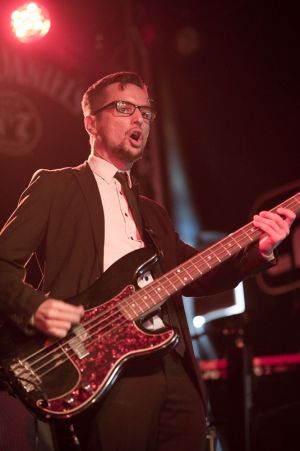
(30, 22)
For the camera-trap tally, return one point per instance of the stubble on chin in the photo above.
(129, 155)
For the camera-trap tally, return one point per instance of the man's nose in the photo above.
(137, 117)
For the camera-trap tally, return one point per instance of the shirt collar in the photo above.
(103, 168)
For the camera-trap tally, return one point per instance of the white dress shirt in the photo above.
(121, 235)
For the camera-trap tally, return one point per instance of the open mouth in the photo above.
(136, 135)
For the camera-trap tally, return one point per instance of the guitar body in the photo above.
(58, 379)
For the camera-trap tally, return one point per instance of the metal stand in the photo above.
(239, 392)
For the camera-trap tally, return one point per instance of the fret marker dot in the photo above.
(178, 270)
(145, 297)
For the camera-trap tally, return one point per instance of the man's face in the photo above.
(120, 139)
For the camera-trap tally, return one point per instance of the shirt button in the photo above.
(126, 214)
(131, 237)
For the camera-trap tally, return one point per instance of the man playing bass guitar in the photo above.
(90, 228)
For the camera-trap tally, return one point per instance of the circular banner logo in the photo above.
(20, 124)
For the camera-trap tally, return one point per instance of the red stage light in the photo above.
(30, 22)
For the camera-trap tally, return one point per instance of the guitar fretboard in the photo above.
(154, 294)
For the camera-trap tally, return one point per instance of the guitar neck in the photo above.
(175, 280)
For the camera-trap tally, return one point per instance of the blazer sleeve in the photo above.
(20, 237)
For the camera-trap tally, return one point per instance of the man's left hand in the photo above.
(276, 227)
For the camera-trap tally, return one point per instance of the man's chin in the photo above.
(133, 154)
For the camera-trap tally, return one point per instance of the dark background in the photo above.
(229, 71)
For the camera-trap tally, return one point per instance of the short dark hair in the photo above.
(97, 88)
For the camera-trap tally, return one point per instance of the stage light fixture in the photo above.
(30, 22)
(198, 321)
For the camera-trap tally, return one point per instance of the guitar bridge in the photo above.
(25, 375)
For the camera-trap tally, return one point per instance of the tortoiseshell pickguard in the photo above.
(107, 353)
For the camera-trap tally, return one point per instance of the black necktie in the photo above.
(131, 199)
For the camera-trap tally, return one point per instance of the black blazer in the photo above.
(60, 217)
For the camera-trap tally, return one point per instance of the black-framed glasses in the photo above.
(127, 108)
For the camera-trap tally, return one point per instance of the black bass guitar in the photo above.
(60, 378)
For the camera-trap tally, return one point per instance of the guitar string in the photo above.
(63, 352)
(70, 353)
(91, 321)
(84, 332)
(67, 354)
(126, 300)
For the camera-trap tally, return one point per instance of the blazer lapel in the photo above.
(92, 196)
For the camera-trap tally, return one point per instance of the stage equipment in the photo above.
(30, 22)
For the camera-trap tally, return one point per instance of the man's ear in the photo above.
(89, 123)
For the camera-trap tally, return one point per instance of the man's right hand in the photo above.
(55, 318)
